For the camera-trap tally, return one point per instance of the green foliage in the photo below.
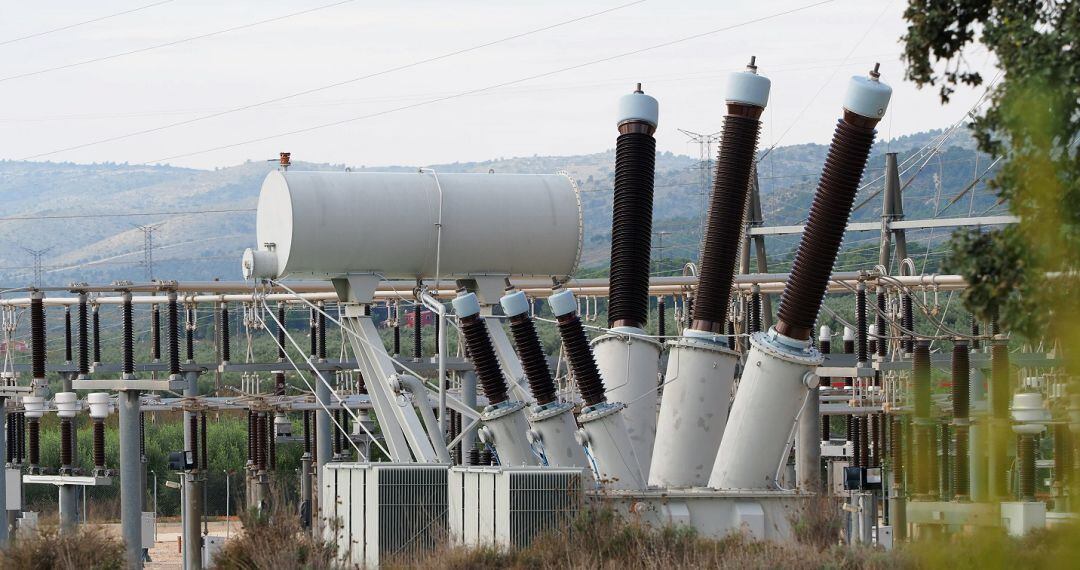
(86, 548)
(275, 541)
(1031, 124)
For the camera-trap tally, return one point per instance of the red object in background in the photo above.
(426, 318)
(15, 346)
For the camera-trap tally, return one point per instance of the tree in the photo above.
(1024, 275)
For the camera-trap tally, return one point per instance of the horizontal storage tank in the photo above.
(327, 224)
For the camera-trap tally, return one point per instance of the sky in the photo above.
(552, 92)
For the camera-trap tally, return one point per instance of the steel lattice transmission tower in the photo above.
(705, 170)
(148, 249)
(39, 269)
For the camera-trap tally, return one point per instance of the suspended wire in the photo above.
(339, 83)
(123, 214)
(169, 44)
(499, 85)
(83, 23)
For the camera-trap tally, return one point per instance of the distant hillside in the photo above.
(207, 245)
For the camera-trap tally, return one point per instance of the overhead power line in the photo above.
(123, 214)
(169, 44)
(336, 83)
(502, 84)
(83, 23)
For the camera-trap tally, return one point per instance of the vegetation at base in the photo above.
(274, 541)
(1031, 123)
(87, 548)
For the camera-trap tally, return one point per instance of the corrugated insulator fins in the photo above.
(747, 95)
(129, 335)
(631, 214)
(864, 106)
(576, 346)
(530, 351)
(481, 352)
(84, 340)
(920, 366)
(173, 320)
(37, 334)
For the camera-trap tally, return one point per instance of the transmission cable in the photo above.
(83, 23)
(337, 83)
(171, 43)
(502, 84)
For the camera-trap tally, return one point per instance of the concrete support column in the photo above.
(131, 474)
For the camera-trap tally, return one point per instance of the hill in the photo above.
(85, 214)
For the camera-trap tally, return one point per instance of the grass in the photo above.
(48, 549)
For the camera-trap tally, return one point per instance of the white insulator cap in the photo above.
(67, 404)
(466, 305)
(867, 96)
(1028, 407)
(34, 405)
(638, 106)
(824, 334)
(849, 333)
(515, 304)
(562, 303)
(871, 331)
(748, 88)
(100, 405)
(259, 264)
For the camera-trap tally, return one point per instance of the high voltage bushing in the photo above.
(860, 326)
(1000, 387)
(313, 333)
(418, 321)
(975, 333)
(224, 333)
(849, 348)
(780, 365)
(337, 432)
(97, 333)
(853, 437)
(882, 326)
(173, 320)
(202, 435)
(67, 406)
(260, 442)
(100, 406)
(271, 442)
(661, 317)
(10, 436)
(946, 460)
(251, 438)
(576, 347)
(754, 312)
(128, 335)
(35, 408)
(397, 327)
(155, 333)
(321, 315)
(84, 344)
(21, 424)
(872, 339)
(831, 208)
(920, 367)
(907, 321)
(481, 352)
(688, 309)
(189, 334)
(67, 335)
(142, 434)
(1025, 458)
(731, 335)
(746, 100)
(961, 381)
(876, 429)
(631, 213)
(37, 334)
(193, 436)
(825, 347)
(307, 432)
(533, 360)
(1063, 461)
(281, 331)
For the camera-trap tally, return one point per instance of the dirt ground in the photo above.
(165, 553)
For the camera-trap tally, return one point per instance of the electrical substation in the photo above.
(723, 423)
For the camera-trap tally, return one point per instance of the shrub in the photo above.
(49, 549)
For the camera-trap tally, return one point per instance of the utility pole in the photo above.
(148, 249)
(705, 168)
(38, 255)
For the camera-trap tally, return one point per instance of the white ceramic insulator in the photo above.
(748, 88)
(34, 406)
(638, 107)
(67, 404)
(867, 97)
(825, 335)
(849, 334)
(515, 304)
(100, 404)
(466, 305)
(629, 363)
(562, 303)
